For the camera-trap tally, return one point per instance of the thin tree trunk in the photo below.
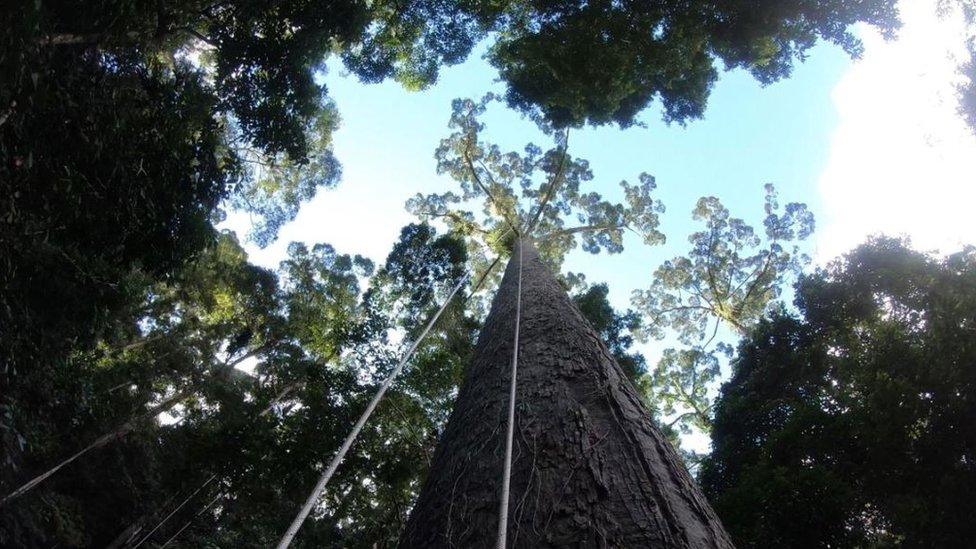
(116, 434)
(226, 371)
(590, 468)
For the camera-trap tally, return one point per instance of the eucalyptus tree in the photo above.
(532, 193)
(731, 276)
(619, 330)
(591, 465)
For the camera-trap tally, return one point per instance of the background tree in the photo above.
(316, 346)
(605, 61)
(966, 88)
(967, 91)
(167, 353)
(730, 277)
(369, 497)
(848, 423)
(116, 155)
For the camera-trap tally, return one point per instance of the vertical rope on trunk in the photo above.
(313, 498)
(507, 474)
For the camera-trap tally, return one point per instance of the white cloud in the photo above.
(354, 218)
(902, 160)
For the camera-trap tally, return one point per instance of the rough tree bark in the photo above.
(590, 468)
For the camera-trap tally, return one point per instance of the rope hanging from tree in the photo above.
(313, 498)
(189, 522)
(507, 473)
(337, 459)
(174, 511)
(477, 287)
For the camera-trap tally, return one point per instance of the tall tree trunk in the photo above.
(590, 468)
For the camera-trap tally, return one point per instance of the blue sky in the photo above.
(871, 146)
(751, 135)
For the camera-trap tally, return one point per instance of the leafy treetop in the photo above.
(731, 276)
(534, 194)
(604, 61)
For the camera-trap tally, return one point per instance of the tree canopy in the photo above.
(730, 277)
(262, 373)
(138, 338)
(160, 115)
(850, 422)
(532, 194)
(605, 61)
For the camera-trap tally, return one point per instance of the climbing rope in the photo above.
(507, 474)
(281, 395)
(477, 286)
(189, 522)
(313, 498)
(174, 511)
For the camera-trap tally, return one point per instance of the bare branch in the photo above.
(583, 229)
(484, 275)
(690, 402)
(553, 184)
(484, 189)
(457, 218)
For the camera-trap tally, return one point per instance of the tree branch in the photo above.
(457, 218)
(690, 402)
(69, 39)
(708, 266)
(671, 423)
(484, 189)
(484, 275)
(714, 333)
(755, 282)
(556, 178)
(582, 229)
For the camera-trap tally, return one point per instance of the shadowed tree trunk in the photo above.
(590, 468)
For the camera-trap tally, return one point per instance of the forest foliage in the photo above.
(136, 332)
(848, 421)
